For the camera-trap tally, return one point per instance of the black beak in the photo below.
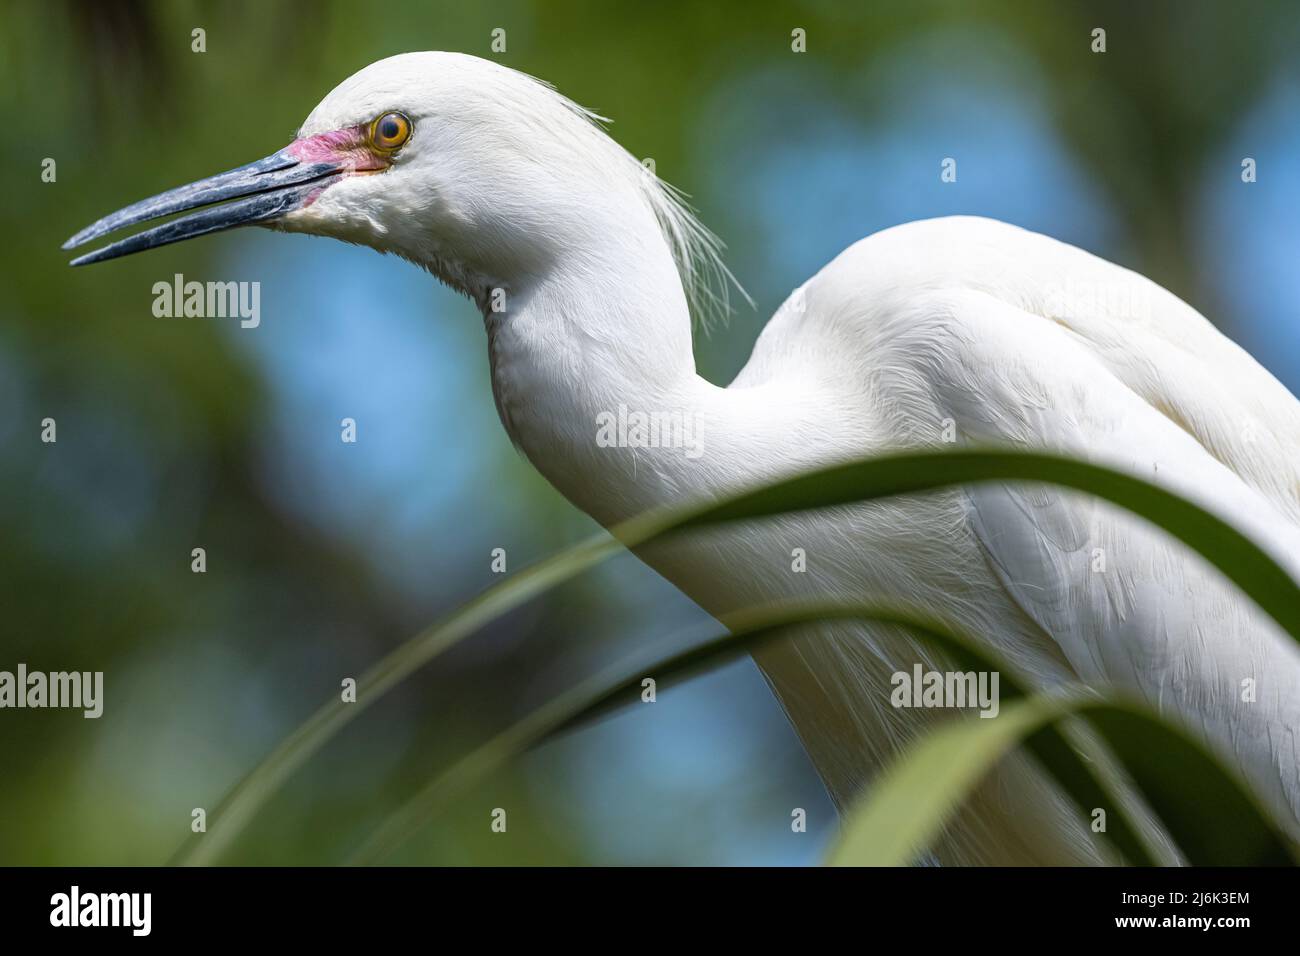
(256, 193)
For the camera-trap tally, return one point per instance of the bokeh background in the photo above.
(323, 556)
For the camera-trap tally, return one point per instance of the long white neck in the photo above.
(601, 345)
(602, 333)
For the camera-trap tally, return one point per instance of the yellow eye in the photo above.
(390, 132)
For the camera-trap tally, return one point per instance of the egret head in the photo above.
(475, 171)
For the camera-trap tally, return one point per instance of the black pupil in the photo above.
(389, 128)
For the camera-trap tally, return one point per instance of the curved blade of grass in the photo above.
(615, 687)
(1212, 816)
(1238, 558)
(1242, 561)
(247, 797)
(907, 809)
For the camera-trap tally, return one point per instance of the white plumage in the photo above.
(959, 329)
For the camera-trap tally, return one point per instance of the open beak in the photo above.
(256, 193)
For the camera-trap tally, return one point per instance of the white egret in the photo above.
(585, 266)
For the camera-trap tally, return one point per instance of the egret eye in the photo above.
(390, 131)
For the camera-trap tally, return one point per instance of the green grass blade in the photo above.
(1232, 553)
(616, 687)
(248, 796)
(1239, 559)
(1212, 817)
(1053, 751)
(905, 811)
